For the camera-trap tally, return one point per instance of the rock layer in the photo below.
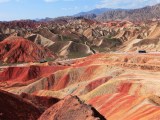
(17, 49)
(71, 108)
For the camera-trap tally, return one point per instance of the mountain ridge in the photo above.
(94, 11)
(139, 14)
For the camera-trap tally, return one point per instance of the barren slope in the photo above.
(119, 85)
(17, 49)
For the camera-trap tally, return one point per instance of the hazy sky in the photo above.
(31, 9)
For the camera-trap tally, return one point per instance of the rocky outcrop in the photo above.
(71, 108)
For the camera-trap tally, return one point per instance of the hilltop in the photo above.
(17, 49)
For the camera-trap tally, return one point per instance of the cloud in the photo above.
(4, 1)
(57, 0)
(126, 3)
(50, 0)
(68, 0)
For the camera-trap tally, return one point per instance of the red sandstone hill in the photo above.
(30, 107)
(71, 108)
(17, 49)
(20, 76)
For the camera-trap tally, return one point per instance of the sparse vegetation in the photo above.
(66, 38)
(77, 55)
(48, 59)
(113, 42)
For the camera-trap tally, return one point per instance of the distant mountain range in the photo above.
(92, 14)
(141, 14)
(95, 11)
(108, 14)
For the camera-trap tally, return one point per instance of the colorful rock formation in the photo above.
(71, 108)
(118, 85)
(19, 50)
